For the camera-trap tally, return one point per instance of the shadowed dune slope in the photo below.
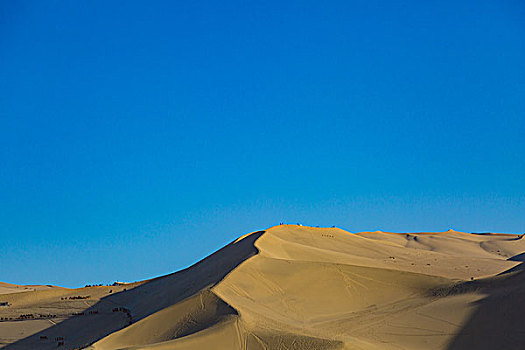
(296, 287)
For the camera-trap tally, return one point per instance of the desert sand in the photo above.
(296, 287)
(8, 288)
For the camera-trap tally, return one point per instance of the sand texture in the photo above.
(295, 287)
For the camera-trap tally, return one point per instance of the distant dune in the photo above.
(295, 287)
(8, 288)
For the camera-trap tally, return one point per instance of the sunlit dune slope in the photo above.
(8, 288)
(296, 287)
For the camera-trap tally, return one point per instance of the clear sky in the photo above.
(138, 137)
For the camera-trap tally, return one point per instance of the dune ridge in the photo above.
(298, 287)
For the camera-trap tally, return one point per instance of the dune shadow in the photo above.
(118, 310)
(497, 320)
(518, 257)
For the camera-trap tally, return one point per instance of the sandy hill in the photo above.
(296, 287)
(8, 288)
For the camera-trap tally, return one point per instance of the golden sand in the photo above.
(296, 287)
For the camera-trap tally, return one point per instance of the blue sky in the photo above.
(138, 137)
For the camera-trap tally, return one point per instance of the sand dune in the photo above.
(8, 288)
(296, 287)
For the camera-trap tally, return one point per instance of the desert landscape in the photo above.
(295, 287)
(212, 175)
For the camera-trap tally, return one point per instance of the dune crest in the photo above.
(297, 287)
